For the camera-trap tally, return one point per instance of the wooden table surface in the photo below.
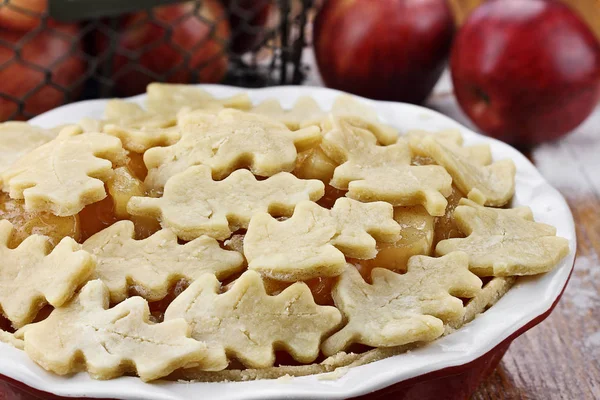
(559, 358)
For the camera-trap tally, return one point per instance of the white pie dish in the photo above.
(528, 300)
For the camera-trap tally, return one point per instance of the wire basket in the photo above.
(66, 50)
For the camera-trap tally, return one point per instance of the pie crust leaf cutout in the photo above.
(227, 141)
(305, 112)
(18, 139)
(493, 184)
(479, 154)
(65, 174)
(504, 242)
(364, 116)
(313, 242)
(402, 308)
(383, 173)
(165, 98)
(138, 129)
(194, 204)
(154, 264)
(108, 343)
(33, 274)
(248, 324)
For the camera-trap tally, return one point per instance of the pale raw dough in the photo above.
(65, 174)
(32, 275)
(398, 309)
(313, 242)
(383, 173)
(248, 324)
(154, 264)
(111, 342)
(227, 141)
(194, 204)
(504, 242)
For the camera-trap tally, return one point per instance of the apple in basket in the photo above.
(526, 71)
(181, 43)
(22, 15)
(55, 50)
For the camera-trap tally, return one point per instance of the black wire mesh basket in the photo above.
(58, 51)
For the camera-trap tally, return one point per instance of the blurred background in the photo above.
(523, 71)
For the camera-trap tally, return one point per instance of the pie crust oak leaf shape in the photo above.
(154, 264)
(504, 242)
(227, 141)
(398, 309)
(305, 112)
(194, 204)
(383, 173)
(86, 334)
(491, 185)
(138, 129)
(171, 98)
(18, 139)
(65, 174)
(313, 242)
(33, 275)
(249, 325)
(479, 154)
(364, 116)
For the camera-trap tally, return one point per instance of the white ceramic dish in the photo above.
(528, 299)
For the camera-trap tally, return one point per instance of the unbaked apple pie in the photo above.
(210, 239)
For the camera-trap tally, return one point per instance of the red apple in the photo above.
(22, 15)
(24, 80)
(526, 71)
(248, 20)
(145, 54)
(385, 49)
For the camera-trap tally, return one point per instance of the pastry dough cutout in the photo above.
(227, 141)
(313, 242)
(33, 275)
(108, 343)
(65, 174)
(480, 154)
(399, 309)
(171, 98)
(305, 112)
(370, 172)
(9, 338)
(494, 185)
(194, 204)
(364, 116)
(248, 324)
(18, 139)
(138, 129)
(504, 242)
(154, 264)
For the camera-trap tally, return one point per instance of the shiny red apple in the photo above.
(526, 71)
(194, 50)
(24, 80)
(383, 49)
(22, 15)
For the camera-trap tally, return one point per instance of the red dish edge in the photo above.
(452, 383)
